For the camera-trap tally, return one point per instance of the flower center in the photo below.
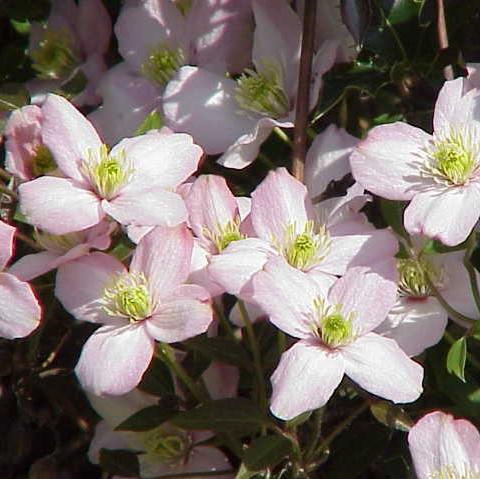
(57, 243)
(107, 173)
(54, 57)
(162, 63)
(414, 275)
(226, 234)
(262, 93)
(450, 472)
(331, 324)
(308, 247)
(166, 445)
(453, 158)
(43, 162)
(128, 297)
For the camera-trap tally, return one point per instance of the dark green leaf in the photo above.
(456, 358)
(392, 212)
(13, 96)
(119, 461)
(266, 451)
(157, 380)
(402, 10)
(475, 331)
(223, 415)
(146, 419)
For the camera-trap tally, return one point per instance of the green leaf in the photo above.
(244, 473)
(13, 96)
(475, 331)
(146, 419)
(391, 415)
(223, 415)
(119, 461)
(21, 27)
(403, 11)
(457, 355)
(266, 451)
(157, 380)
(221, 349)
(153, 121)
(392, 212)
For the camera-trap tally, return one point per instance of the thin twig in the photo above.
(443, 37)
(8, 192)
(303, 92)
(5, 175)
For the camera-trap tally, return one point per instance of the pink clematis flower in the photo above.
(322, 244)
(148, 302)
(418, 320)
(438, 173)
(444, 447)
(19, 309)
(61, 249)
(336, 338)
(132, 183)
(73, 41)
(235, 117)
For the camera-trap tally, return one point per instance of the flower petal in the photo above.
(7, 233)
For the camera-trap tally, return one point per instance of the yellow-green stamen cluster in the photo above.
(183, 5)
(107, 173)
(331, 325)
(167, 446)
(308, 247)
(414, 277)
(450, 472)
(57, 243)
(162, 63)
(453, 158)
(263, 92)
(42, 161)
(225, 234)
(128, 297)
(54, 58)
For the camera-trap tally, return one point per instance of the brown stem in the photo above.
(303, 92)
(443, 37)
(5, 175)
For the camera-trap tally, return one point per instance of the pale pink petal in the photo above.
(473, 78)
(327, 158)
(415, 324)
(81, 283)
(438, 441)
(447, 100)
(147, 25)
(127, 100)
(278, 202)
(68, 135)
(59, 205)
(19, 309)
(237, 263)
(379, 366)
(255, 313)
(210, 204)
(465, 112)
(244, 150)
(163, 255)
(98, 236)
(199, 270)
(203, 104)
(388, 161)
(93, 68)
(23, 135)
(305, 379)
(426, 213)
(159, 160)
(148, 207)
(105, 438)
(32, 265)
(221, 380)
(94, 26)
(114, 359)
(367, 295)
(7, 233)
(287, 296)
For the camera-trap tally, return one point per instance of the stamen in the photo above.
(226, 234)
(167, 445)
(450, 472)
(414, 275)
(162, 63)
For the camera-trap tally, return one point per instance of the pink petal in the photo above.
(59, 205)
(323, 60)
(164, 255)
(426, 213)
(32, 265)
(7, 233)
(237, 263)
(114, 359)
(80, 285)
(287, 296)
(94, 26)
(379, 366)
(415, 324)
(203, 104)
(305, 379)
(210, 204)
(221, 380)
(327, 158)
(386, 162)
(447, 100)
(148, 207)
(105, 438)
(278, 202)
(68, 135)
(19, 309)
(368, 295)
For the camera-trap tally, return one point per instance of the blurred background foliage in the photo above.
(46, 422)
